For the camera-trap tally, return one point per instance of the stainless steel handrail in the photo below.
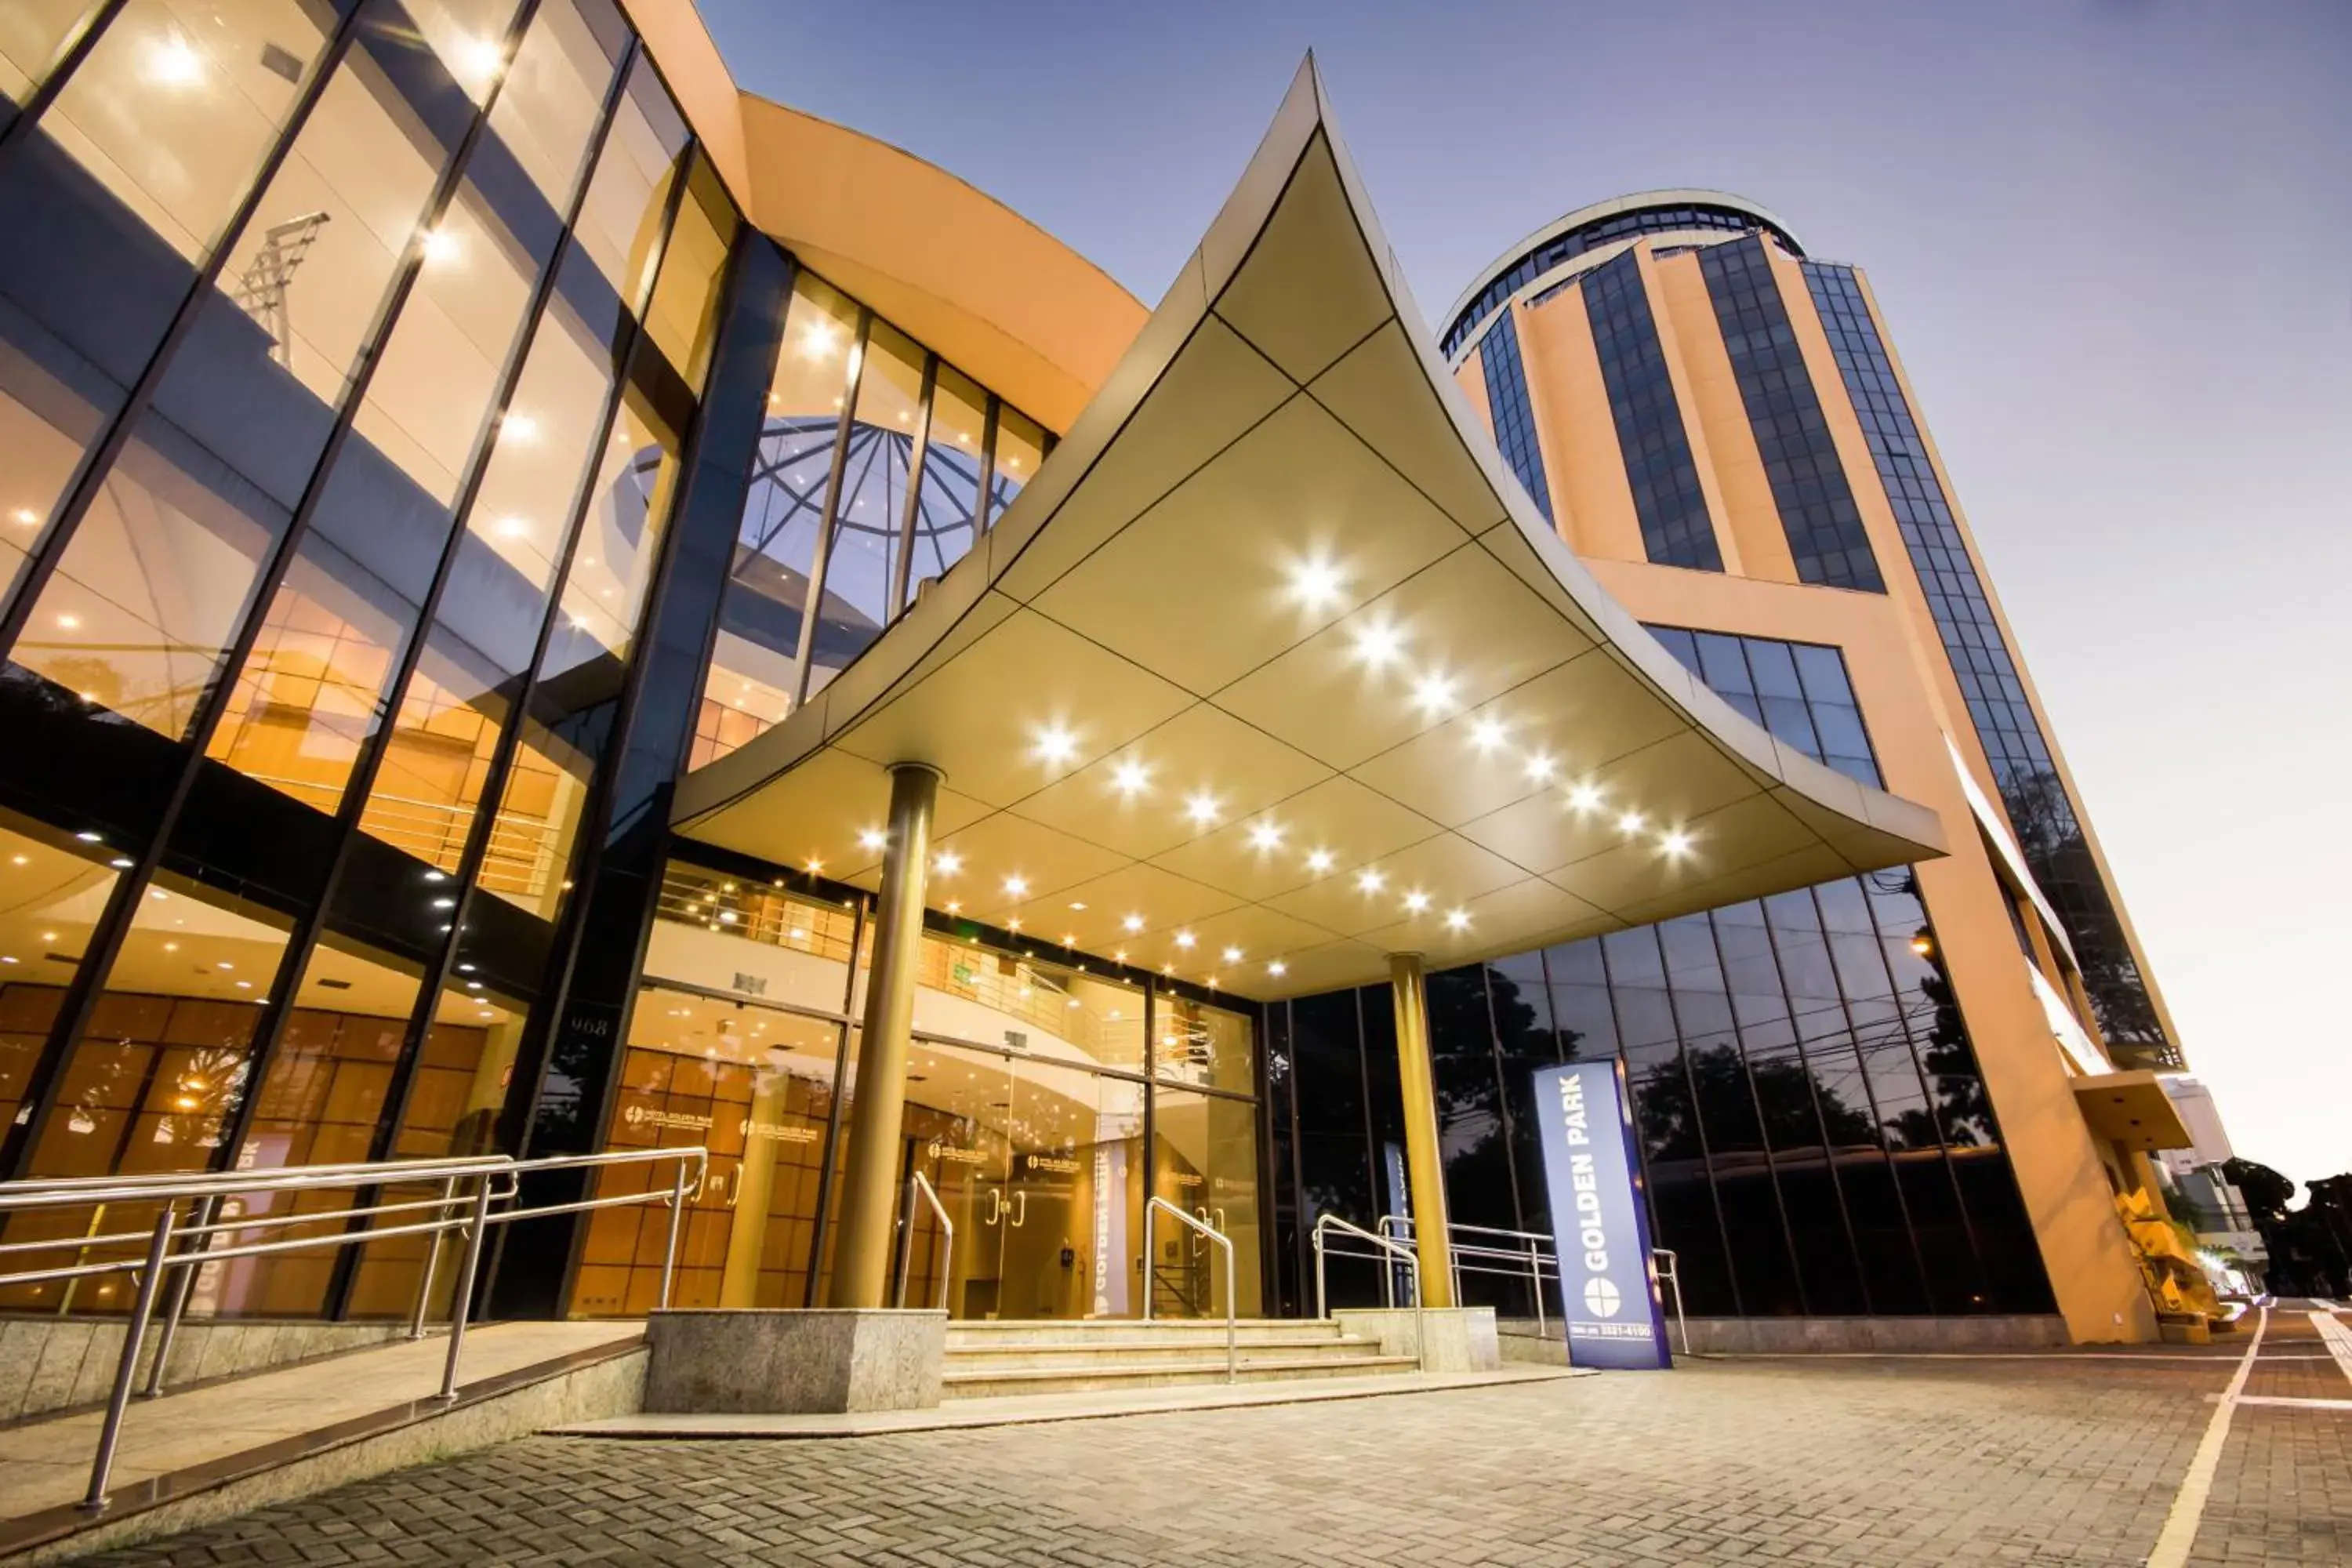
(919, 1182)
(1541, 1265)
(1404, 1254)
(494, 1177)
(1233, 1323)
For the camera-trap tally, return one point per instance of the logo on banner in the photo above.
(1600, 1299)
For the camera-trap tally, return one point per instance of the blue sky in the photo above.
(2113, 242)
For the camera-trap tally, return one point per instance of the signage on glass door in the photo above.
(1610, 1302)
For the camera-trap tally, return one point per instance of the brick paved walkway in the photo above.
(1828, 1461)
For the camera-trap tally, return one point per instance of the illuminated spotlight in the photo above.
(514, 527)
(1315, 584)
(1130, 777)
(1055, 745)
(1132, 922)
(1540, 768)
(1488, 734)
(1584, 797)
(1078, 904)
(1368, 881)
(175, 64)
(1233, 955)
(1415, 901)
(1277, 968)
(440, 247)
(1185, 939)
(1265, 836)
(1016, 887)
(955, 907)
(1378, 643)
(1629, 823)
(1922, 945)
(812, 865)
(1318, 860)
(1202, 808)
(1434, 694)
(1677, 843)
(1458, 920)
(1119, 957)
(519, 426)
(1013, 925)
(872, 838)
(947, 863)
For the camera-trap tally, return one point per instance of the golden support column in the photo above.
(870, 1201)
(1424, 1169)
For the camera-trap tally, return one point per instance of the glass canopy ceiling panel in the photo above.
(1273, 670)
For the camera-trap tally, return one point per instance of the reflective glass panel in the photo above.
(685, 306)
(32, 32)
(1204, 1161)
(1205, 1046)
(861, 577)
(947, 510)
(55, 889)
(1020, 449)
(620, 221)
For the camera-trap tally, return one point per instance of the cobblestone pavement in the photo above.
(1833, 1460)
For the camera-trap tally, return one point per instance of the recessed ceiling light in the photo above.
(1130, 776)
(1675, 843)
(1318, 860)
(947, 863)
(1055, 745)
(813, 865)
(1077, 904)
(1185, 939)
(1016, 886)
(872, 838)
(1378, 643)
(1434, 694)
(1133, 922)
(1415, 901)
(1278, 967)
(1265, 836)
(1458, 920)
(1315, 584)
(1368, 881)
(1540, 768)
(1233, 955)
(1584, 797)
(1629, 823)
(1487, 733)
(521, 427)
(1202, 808)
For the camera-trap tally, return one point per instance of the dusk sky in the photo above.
(2112, 240)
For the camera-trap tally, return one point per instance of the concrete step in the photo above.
(1051, 1355)
(1111, 1331)
(959, 1385)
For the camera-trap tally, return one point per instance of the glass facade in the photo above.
(880, 465)
(349, 363)
(2049, 830)
(1045, 1099)
(1563, 248)
(1815, 1137)
(1810, 488)
(1677, 530)
(1514, 420)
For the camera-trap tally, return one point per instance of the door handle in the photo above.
(996, 1205)
(1020, 1209)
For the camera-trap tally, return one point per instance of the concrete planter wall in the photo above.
(783, 1362)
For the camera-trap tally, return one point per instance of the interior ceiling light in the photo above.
(1277, 968)
(1133, 922)
(1368, 881)
(1318, 860)
(1629, 823)
(1434, 694)
(871, 839)
(519, 426)
(1202, 808)
(1487, 733)
(1018, 887)
(1376, 643)
(1315, 584)
(1129, 777)
(175, 63)
(1584, 797)
(1415, 901)
(440, 248)
(1677, 843)
(1233, 955)
(948, 863)
(1458, 920)
(1185, 939)
(1265, 836)
(1055, 745)
(813, 865)
(1539, 769)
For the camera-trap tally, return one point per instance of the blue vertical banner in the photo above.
(1615, 1314)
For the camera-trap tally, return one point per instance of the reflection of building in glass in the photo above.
(463, 482)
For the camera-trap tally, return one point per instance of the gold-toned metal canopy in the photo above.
(1273, 670)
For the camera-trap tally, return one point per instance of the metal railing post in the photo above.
(1151, 1261)
(461, 1307)
(677, 1217)
(432, 1258)
(207, 1210)
(142, 1310)
(1534, 1284)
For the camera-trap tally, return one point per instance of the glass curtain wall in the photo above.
(348, 355)
(1814, 1135)
(880, 464)
(1045, 1099)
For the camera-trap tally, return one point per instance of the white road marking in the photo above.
(2180, 1530)
(2336, 1336)
(2294, 1403)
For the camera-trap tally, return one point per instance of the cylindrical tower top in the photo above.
(1646, 213)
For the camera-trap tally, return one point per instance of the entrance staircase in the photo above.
(1000, 1359)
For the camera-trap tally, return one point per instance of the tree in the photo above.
(2266, 1191)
